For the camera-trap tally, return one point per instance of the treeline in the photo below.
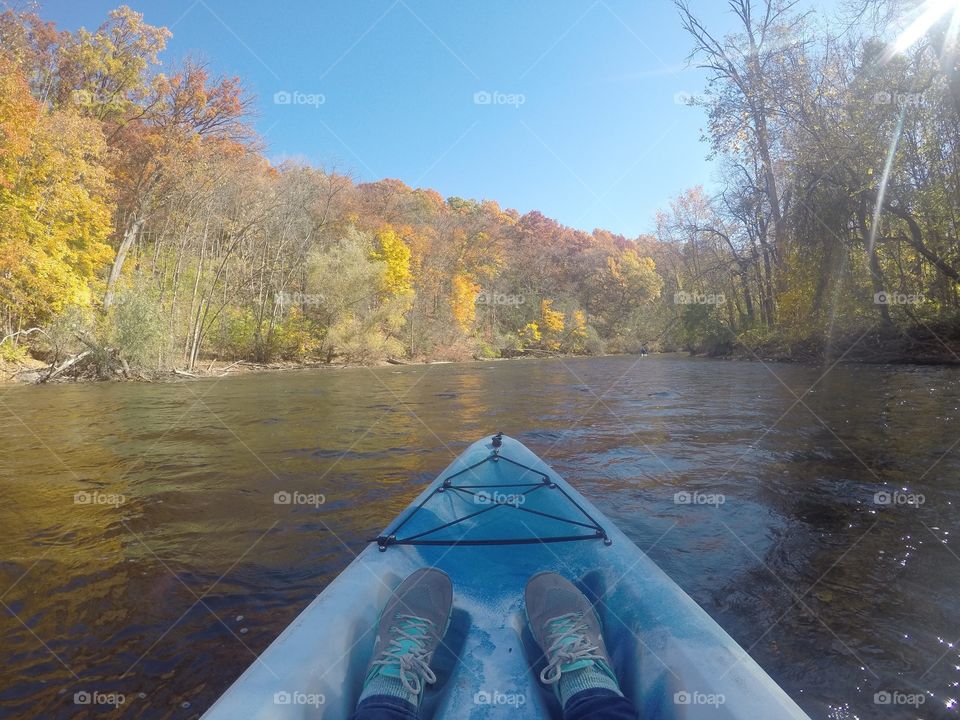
(838, 139)
(141, 226)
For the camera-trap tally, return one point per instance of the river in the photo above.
(142, 556)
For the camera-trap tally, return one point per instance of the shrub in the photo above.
(134, 328)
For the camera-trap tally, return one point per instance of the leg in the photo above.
(599, 704)
(410, 629)
(385, 707)
(564, 624)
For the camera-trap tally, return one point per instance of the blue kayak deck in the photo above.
(671, 658)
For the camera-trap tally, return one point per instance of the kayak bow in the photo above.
(496, 516)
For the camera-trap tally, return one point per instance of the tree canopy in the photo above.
(139, 216)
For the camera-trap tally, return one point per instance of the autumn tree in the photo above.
(743, 106)
(185, 116)
(55, 205)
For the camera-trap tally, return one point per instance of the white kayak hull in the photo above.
(672, 659)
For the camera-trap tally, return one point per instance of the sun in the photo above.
(927, 15)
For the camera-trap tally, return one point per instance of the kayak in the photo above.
(495, 517)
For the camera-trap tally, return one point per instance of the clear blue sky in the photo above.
(598, 140)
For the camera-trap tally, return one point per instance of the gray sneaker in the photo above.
(566, 628)
(412, 624)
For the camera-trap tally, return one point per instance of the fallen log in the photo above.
(227, 369)
(54, 371)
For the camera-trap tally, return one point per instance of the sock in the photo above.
(380, 684)
(589, 677)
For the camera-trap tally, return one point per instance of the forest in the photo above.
(143, 229)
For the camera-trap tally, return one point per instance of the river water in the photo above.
(143, 558)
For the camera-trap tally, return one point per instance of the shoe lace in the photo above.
(568, 641)
(406, 651)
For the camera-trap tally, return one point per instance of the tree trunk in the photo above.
(876, 274)
(129, 238)
(196, 286)
(915, 240)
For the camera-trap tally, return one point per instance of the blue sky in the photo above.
(581, 120)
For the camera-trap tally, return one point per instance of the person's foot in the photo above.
(567, 629)
(411, 626)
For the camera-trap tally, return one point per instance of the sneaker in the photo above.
(411, 626)
(567, 629)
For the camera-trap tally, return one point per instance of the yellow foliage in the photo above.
(552, 319)
(578, 333)
(463, 298)
(107, 69)
(18, 115)
(579, 323)
(530, 334)
(55, 210)
(631, 277)
(395, 255)
(552, 322)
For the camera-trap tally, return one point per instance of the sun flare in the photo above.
(927, 15)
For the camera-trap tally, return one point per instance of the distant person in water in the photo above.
(561, 618)
(643, 351)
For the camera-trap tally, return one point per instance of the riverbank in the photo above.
(920, 345)
(33, 372)
(934, 344)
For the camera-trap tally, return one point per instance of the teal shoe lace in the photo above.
(568, 647)
(406, 658)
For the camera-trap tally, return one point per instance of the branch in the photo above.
(66, 364)
(24, 332)
(915, 239)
